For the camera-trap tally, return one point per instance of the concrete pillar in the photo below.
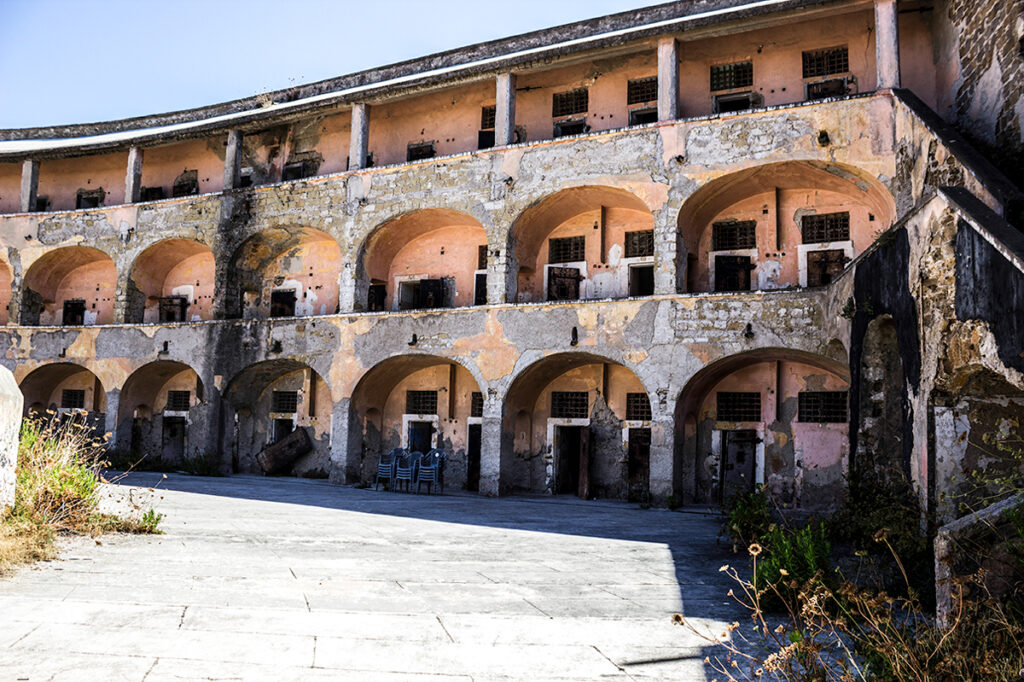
(11, 403)
(29, 185)
(505, 110)
(662, 461)
(110, 421)
(494, 448)
(359, 143)
(887, 44)
(133, 177)
(346, 443)
(666, 252)
(668, 79)
(233, 160)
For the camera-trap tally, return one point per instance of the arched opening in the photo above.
(268, 403)
(284, 272)
(775, 417)
(584, 243)
(5, 293)
(882, 434)
(69, 286)
(66, 390)
(433, 258)
(579, 424)
(159, 413)
(421, 402)
(778, 225)
(171, 281)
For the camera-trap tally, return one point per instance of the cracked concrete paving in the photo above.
(286, 579)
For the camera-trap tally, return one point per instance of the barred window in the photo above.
(476, 404)
(827, 62)
(638, 407)
(738, 407)
(569, 103)
(566, 249)
(825, 227)
(72, 398)
(729, 76)
(419, 151)
(286, 402)
(481, 257)
(487, 117)
(639, 243)
(734, 234)
(823, 407)
(569, 404)
(421, 402)
(177, 401)
(642, 90)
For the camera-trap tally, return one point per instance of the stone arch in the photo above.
(160, 411)
(739, 422)
(386, 402)
(761, 210)
(70, 284)
(435, 244)
(884, 429)
(284, 272)
(577, 423)
(65, 388)
(602, 215)
(253, 417)
(171, 281)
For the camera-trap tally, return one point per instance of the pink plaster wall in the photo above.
(334, 135)
(451, 425)
(94, 283)
(312, 268)
(10, 187)
(60, 179)
(446, 252)
(161, 165)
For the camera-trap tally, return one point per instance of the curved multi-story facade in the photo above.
(643, 251)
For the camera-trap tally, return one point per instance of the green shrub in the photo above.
(790, 559)
(749, 517)
(202, 464)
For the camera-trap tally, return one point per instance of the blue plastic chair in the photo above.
(430, 467)
(386, 468)
(408, 464)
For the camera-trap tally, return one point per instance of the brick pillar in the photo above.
(505, 110)
(359, 143)
(233, 160)
(887, 44)
(494, 449)
(133, 176)
(29, 185)
(668, 79)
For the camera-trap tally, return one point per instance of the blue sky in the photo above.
(78, 61)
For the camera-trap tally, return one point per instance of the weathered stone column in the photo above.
(668, 79)
(492, 445)
(666, 251)
(133, 177)
(887, 44)
(11, 402)
(29, 185)
(497, 277)
(110, 421)
(505, 110)
(662, 460)
(346, 443)
(359, 143)
(233, 160)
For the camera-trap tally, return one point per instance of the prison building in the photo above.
(670, 253)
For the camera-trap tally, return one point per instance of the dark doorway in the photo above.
(282, 428)
(375, 298)
(174, 439)
(739, 456)
(563, 284)
(572, 448)
(74, 311)
(173, 308)
(473, 458)
(480, 289)
(641, 280)
(732, 273)
(824, 266)
(282, 303)
(431, 293)
(420, 436)
(639, 464)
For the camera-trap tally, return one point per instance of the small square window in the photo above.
(566, 249)
(419, 151)
(828, 62)
(570, 103)
(72, 399)
(731, 76)
(825, 227)
(638, 407)
(285, 402)
(639, 243)
(822, 407)
(569, 404)
(738, 407)
(639, 117)
(476, 406)
(487, 117)
(178, 401)
(421, 402)
(729, 235)
(481, 257)
(642, 90)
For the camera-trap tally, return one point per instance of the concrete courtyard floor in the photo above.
(285, 579)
